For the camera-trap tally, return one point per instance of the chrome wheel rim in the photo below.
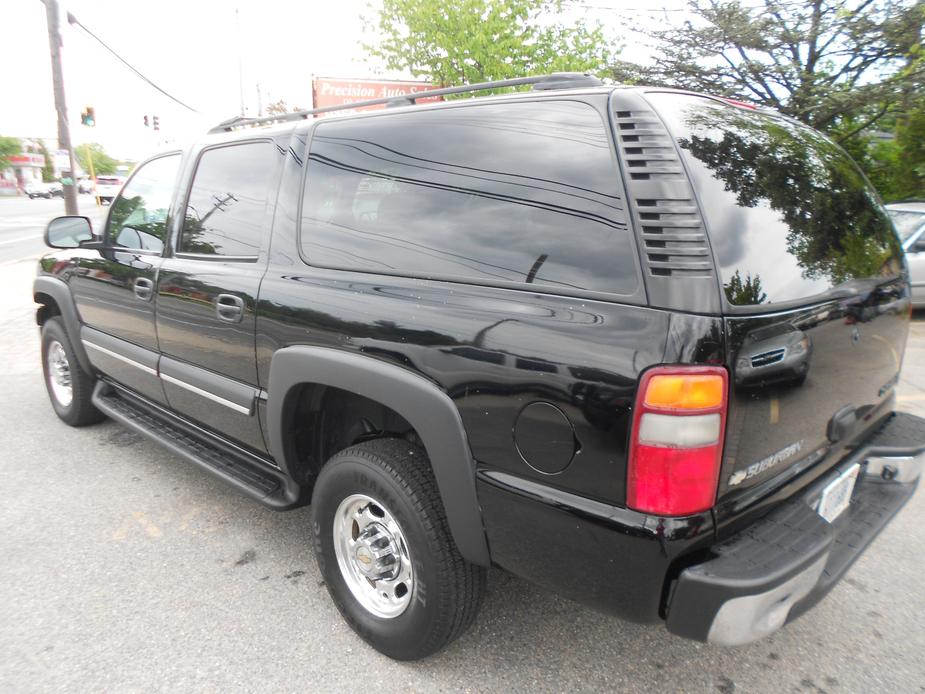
(59, 374)
(373, 556)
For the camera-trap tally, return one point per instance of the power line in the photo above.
(71, 19)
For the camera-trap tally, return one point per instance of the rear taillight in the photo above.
(677, 440)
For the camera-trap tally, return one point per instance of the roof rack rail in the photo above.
(556, 80)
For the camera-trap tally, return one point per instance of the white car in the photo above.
(909, 219)
(107, 187)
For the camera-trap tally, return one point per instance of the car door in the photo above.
(915, 256)
(207, 289)
(114, 288)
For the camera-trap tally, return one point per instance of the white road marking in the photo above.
(21, 238)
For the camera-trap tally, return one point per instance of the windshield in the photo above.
(907, 222)
(789, 214)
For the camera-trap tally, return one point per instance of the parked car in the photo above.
(107, 187)
(506, 331)
(44, 190)
(909, 218)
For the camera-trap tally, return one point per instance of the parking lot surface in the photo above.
(126, 569)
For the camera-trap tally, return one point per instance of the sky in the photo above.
(191, 48)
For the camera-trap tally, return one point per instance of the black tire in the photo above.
(446, 591)
(80, 411)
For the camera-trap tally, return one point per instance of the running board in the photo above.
(269, 487)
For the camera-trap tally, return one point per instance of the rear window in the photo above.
(108, 181)
(524, 192)
(789, 214)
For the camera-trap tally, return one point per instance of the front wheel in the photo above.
(384, 548)
(70, 388)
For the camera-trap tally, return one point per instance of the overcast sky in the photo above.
(190, 48)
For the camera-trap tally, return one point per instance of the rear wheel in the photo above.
(384, 548)
(69, 387)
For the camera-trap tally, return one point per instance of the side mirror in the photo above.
(918, 246)
(69, 232)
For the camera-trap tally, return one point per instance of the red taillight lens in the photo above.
(677, 440)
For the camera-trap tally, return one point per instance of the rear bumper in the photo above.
(783, 564)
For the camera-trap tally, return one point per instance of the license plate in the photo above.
(837, 494)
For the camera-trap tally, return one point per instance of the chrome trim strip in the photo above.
(217, 258)
(116, 355)
(210, 396)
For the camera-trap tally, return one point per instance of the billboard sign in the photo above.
(332, 91)
(27, 159)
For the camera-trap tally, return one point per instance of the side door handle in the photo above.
(144, 288)
(229, 308)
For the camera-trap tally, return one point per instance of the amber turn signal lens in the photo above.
(685, 392)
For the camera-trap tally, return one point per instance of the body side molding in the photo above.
(58, 290)
(429, 410)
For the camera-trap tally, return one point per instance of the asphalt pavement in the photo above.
(125, 569)
(22, 223)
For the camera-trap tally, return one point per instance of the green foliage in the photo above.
(744, 293)
(821, 61)
(103, 164)
(8, 147)
(48, 171)
(470, 41)
(909, 178)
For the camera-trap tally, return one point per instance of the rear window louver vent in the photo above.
(673, 238)
(671, 229)
(648, 151)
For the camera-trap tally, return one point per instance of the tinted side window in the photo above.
(138, 218)
(523, 192)
(228, 199)
(789, 214)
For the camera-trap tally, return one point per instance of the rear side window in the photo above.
(228, 200)
(523, 192)
(790, 215)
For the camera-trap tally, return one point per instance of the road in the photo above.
(125, 569)
(22, 223)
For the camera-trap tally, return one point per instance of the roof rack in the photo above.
(556, 80)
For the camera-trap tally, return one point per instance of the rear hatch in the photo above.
(816, 306)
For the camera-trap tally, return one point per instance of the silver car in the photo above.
(909, 218)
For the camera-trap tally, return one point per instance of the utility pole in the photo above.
(64, 134)
(237, 28)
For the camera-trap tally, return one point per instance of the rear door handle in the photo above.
(229, 308)
(144, 288)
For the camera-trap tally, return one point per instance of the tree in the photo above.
(8, 147)
(744, 292)
(48, 170)
(838, 65)
(471, 41)
(103, 164)
(279, 108)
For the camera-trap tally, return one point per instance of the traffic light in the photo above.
(146, 121)
(156, 122)
(88, 117)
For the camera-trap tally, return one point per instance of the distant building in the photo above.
(27, 166)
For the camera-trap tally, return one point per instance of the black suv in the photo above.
(637, 346)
